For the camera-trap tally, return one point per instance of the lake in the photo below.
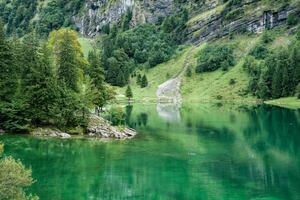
(194, 152)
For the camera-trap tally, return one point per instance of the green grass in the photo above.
(206, 15)
(214, 86)
(210, 86)
(155, 76)
(86, 45)
(287, 102)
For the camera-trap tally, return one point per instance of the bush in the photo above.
(267, 37)
(214, 57)
(14, 178)
(189, 72)
(292, 19)
(232, 81)
(219, 97)
(117, 116)
(260, 51)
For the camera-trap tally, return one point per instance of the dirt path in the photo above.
(169, 91)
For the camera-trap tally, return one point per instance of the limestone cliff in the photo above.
(97, 13)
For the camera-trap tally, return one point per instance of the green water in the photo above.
(195, 152)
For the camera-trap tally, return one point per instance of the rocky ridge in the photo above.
(97, 13)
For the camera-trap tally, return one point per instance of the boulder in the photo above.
(101, 128)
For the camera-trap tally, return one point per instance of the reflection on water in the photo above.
(169, 111)
(208, 152)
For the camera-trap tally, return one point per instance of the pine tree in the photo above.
(96, 72)
(139, 79)
(277, 84)
(128, 93)
(144, 82)
(68, 55)
(263, 90)
(42, 93)
(285, 82)
(8, 74)
(67, 68)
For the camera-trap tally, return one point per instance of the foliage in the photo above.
(128, 93)
(144, 82)
(17, 15)
(298, 91)
(189, 72)
(214, 57)
(117, 116)
(277, 75)
(292, 19)
(122, 51)
(260, 51)
(14, 178)
(52, 83)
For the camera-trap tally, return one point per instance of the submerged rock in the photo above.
(50, 132)
(101, 128)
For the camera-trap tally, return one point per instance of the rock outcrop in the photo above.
(213, 24)
(98, 13)
(101, 128)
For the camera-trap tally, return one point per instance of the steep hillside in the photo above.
(144, 40)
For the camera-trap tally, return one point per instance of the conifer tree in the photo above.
(96, 72)
(42, 93)
(277, 84)
(144, 82)
(128, 93)
(8, 74)
(139, 79)
(285, 82)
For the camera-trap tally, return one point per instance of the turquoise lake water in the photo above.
(193, 152)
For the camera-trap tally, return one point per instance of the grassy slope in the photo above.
(155, 76)
(86, 45)
(207, 86)
(199, 87)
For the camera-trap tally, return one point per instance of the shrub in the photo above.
(267, 37)
(260, 51)
(214, 57)
(219, 97)
(189, 72)
(292, 19)
(232, 81)
(14, 178)
(117, 116)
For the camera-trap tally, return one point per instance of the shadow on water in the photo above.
(199, 151)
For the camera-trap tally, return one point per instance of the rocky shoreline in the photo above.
(98, 128)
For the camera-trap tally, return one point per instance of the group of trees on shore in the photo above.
(274, 73)
(48, 83)
(125, 50)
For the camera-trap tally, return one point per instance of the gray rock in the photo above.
(98, 13)
(100, 128)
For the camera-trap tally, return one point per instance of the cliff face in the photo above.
(208, 19)
(251, 17)
(97, 13)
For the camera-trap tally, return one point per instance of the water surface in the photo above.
(192, 152)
